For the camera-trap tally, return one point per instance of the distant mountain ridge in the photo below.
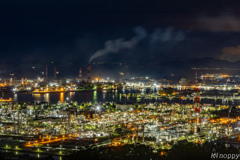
(164, 68)
(205, 62)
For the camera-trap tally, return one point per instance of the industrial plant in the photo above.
(158, 113)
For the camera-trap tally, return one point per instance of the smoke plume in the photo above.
(165, 35)
(114, 46)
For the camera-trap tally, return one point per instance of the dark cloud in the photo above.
(231, 53)
(223, 22)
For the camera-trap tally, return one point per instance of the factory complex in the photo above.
(169, 113)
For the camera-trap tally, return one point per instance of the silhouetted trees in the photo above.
(126, 152)
(186, 151)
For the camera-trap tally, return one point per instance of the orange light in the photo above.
(224, 75)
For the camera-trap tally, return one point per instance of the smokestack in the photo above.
(196, 80)
(89, 73)
(69, 122)
(55, 73)
(46, 73)
(80, 75)
(197, 108)
(18, 131)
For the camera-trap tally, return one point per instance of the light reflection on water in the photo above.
(106, 96)
(61, 99)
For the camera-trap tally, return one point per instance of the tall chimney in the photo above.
(196, 80)
(46, 73)
(55, 73)
(69, 122)
(197, 108)
(89, 73)
(80, 75)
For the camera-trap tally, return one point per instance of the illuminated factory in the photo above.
(160, 126)
(157, 124)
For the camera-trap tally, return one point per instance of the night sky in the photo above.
(136, 31)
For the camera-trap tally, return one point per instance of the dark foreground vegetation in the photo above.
(187, 151)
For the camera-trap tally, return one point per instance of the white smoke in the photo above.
(114, 46)
(165, 35)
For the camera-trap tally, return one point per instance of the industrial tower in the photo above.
(197, 109)
(46, 72)
(55, 73)
(89, 73)
(80, 75)
(196, 79)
